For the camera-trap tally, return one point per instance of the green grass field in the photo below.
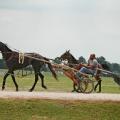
(16, 109)
(63, 84)
(35, 109)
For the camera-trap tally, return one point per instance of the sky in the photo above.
(50, 27)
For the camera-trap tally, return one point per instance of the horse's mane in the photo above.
(73, 57)
(5, 46)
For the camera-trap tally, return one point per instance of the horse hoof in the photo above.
(78, 91)
(3, 88)
(16, 90)
(95, 90)
(98, 92)
(44, 87)
(73, 91)
(30, 90)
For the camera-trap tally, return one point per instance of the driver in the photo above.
(91, 67)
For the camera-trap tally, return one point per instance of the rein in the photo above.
(64, 67)
(22, 55)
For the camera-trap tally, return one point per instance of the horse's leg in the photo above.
(96, 86)
(4, 80)
(99, 83)
(74, 89)
(13, 78)
(36, 79)
(42, 80)
(71, 75)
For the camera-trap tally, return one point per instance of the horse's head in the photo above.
(65, 55)
(68, 56)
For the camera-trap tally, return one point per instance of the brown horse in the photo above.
(72, 62)
(13, 63)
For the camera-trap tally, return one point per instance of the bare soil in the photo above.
(60, 96)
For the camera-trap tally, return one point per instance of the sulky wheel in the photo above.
(86, 85)
(81, 87)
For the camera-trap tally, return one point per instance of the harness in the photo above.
(21, 58)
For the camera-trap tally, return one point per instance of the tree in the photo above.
(82, 59)
(106, 65)
(115, 67)
(57, 60)
(101, 60)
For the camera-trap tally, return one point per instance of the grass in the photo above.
(58, 110)
(63, 84)
(34, 109)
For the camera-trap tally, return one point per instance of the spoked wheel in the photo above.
(85, 85)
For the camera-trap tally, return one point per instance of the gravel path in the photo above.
(60, 96)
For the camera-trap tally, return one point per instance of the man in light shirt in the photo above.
(91, 67)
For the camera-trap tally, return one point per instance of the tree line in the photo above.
(114, 67)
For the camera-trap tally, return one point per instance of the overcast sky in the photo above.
(50, 27)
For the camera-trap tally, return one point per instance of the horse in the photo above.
(72, 62)
(13, 62)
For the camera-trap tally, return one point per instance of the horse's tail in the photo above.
(51, 68)
(116, 78)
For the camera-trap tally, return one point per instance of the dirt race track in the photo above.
(60, 96)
